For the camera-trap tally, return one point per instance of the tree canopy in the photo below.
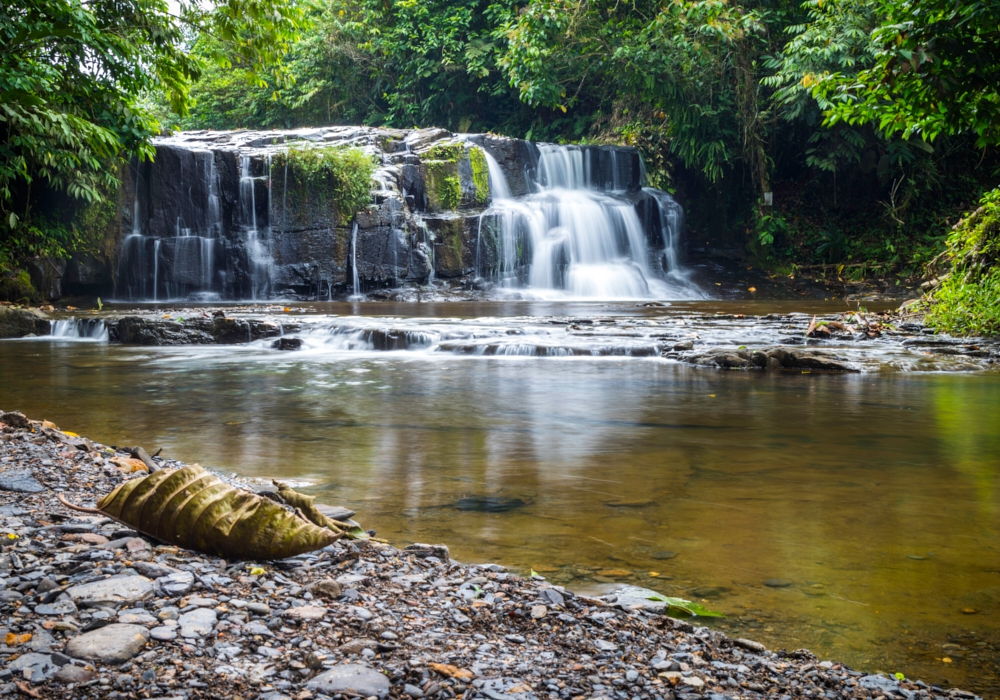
(77, 77)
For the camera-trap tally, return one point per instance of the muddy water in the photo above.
(857, 516)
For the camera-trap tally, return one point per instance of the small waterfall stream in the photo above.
(577, 237)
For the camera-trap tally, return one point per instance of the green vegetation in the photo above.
(480, 174)
(850, 134)
(968, 300)
(344, 174)
(76, 80)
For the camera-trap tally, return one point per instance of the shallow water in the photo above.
(874, 497)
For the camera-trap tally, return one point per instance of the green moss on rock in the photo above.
(442, 184)
(331, 173)
(480, 174)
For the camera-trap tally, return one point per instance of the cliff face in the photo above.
(228, 215)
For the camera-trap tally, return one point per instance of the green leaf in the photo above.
(685, 607)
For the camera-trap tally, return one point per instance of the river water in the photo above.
(855, 515)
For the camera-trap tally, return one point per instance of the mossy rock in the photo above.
(15, 286)
(456, 176)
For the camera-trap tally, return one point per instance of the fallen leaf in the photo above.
(27, 690)
(14, 640)
(453, 671)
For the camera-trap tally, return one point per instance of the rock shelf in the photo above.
(91, 609)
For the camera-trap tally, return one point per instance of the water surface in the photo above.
(870, 503)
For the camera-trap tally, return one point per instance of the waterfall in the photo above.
(579, 234)
(79, 329)
(354, 262)
(260, 262)
(173, 250)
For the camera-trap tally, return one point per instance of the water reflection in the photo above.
(853, 515)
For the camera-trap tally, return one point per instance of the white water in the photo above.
(190, 253)
(258, 246)
(79, 329)
(354, 263)
(576, 238)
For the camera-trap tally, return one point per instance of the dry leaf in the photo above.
(195, 509)
(14, 640)
(453, 672)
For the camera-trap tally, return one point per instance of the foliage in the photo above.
(935, 71)
(968, 300)
(344, 173)
(74, 77)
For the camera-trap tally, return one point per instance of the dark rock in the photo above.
(13, 418)
(21, 481)
(287, 344)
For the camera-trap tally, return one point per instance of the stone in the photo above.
(34, 667)
(60, 607)
(306, 613)
(117, 590)
(664, 555)
(351, 678)
(429, 550)
(163, 633)
(112, 644)
(176, 584)
(538, 612)
(259, 608)
(778, 583)
(20, 481)
(136, 617)
(326, 588)
(154, 570)
(636, 597)
(71, 673)
(197, 623)
(605, 645)
(552, 596)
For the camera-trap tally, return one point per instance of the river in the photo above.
(854, 515)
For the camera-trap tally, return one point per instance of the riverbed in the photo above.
(856, 515)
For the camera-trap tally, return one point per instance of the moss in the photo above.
(15, 285)
(450, 152)
(443, 187)
(968, 300)
(480, 174)
(344, 174)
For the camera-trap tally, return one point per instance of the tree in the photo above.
(936, 71)
(73, 78)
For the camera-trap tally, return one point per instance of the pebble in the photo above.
(197, 623)
(112, 644)
(113, 591)
(351, 678)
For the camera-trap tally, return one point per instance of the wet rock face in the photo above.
(17, 323)
(216, 213)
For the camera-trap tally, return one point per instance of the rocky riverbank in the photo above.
(91, 609)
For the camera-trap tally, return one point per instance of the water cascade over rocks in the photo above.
(223, 215)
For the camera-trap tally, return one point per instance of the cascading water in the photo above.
(354, 262)
(190, 253)
(579, 236)
(259, 258)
